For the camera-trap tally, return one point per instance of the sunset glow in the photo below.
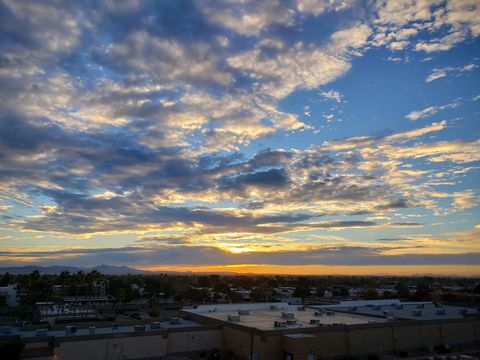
(271, 137)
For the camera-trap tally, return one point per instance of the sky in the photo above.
(279, 137)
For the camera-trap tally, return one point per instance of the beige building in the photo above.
(269, 331)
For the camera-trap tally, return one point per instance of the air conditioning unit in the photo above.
(70, 330)
(139, 328)
(243, 312)
(417, 312)
(318, 313)
(155, 325)
(288, 315)
(279, 324)
(291, 322)
(175, 321)
(41, 332)
(314, 321)
(234, 318)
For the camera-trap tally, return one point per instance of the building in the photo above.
(360, 329)
(9, 294)
(269, 331)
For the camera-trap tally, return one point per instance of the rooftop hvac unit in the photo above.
(314, 321)
(155, 325)
(234, 318)
(318, 313)
(417, 312)
(288, 315)
(279, 324)
(330, 312)
(70, 330)
(243, 312)
(273, 307)
(139, 328)
(41, 332)
(6, 330)
(291, 322)
(440, 312)
(175, 320)
(301, 308)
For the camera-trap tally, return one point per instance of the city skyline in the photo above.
(280, 137)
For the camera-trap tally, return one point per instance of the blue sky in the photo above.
(301, 136)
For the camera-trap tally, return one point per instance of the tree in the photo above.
(371, 294)
(261, 293)
(6, 279)
(402, 289)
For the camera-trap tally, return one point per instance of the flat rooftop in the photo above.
(98, 331)
(261, 316)
(405, 310)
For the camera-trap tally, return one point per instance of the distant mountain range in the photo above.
(104, 269)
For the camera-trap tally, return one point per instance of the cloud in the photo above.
(429, 111)
(332, 95)
(443, 72)
(447, 24)
(206, 255)
(148, 119)
(247, 17)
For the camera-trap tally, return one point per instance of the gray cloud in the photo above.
(204, 255)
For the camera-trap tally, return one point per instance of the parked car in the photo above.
(139, 316)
